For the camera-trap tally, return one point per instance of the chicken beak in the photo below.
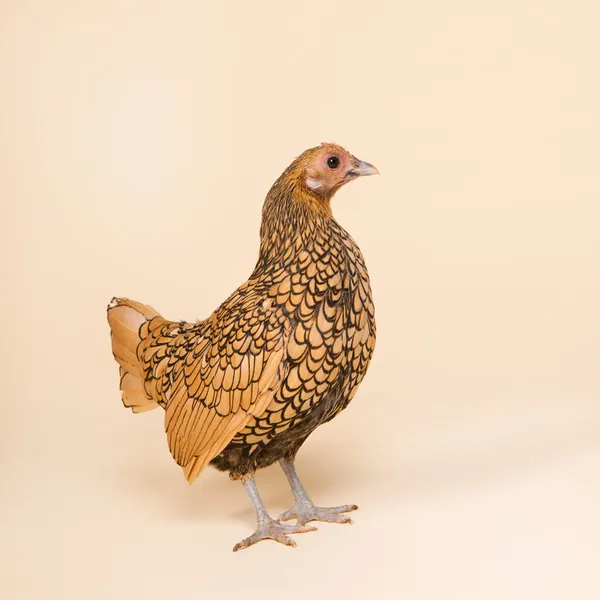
(363, 168)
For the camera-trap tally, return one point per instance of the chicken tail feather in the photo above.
(125, 318)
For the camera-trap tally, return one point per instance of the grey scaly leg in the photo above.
(304, 510)
(268, 528)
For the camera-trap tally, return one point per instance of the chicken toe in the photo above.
(305, 512)
(272, 530)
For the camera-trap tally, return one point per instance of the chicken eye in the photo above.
(333, 162)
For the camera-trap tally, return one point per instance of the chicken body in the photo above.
(283, 354)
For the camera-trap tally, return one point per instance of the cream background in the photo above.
(138, 142)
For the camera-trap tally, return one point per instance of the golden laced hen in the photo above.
(283, 354)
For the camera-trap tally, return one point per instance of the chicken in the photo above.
(282, 355)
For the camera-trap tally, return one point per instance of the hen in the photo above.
(282, 355)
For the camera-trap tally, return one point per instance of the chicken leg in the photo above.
(304, 510)
(268, 528)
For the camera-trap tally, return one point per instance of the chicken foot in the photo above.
(304, 510)
(268, 528)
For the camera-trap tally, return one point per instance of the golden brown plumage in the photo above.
(283, 354)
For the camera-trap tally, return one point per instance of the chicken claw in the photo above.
(306, 512)
(272, 530)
